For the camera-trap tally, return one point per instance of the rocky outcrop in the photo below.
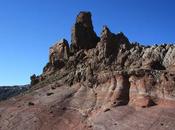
(108, 45)
(169, 58)
(83, 35)
(134, 70)
(34, 79)
(99, 83)
(60, 51)
(58, 55)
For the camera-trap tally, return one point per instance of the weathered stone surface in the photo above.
(83, 35)
(153, 57)
(102, 84)
(81, 107)
(60, 51)
(169, 58)
(108, 45)
(58, 54)
(115, 53)
(134, 70)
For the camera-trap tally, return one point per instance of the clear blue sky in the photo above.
(29, 27)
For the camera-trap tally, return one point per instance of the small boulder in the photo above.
(31, 104)
(50, 93)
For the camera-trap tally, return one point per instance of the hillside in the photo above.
(98, 83)
(10, 91)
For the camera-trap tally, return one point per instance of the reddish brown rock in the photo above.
(60, 51)
(99, 84)
(58, 55)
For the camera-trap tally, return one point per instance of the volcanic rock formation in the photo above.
(60, 51)
(104, 83)
(83, 35)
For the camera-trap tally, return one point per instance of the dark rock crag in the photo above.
(83, 35)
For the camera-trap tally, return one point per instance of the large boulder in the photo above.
(83, 35)
(60, 51)
(58, 55)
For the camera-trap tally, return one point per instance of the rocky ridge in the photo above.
(98, 83)
(135, 71)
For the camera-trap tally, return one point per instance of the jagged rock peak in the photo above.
(84, 18)
(129, 73)
(106, 33)
(59, 51)
(83, 35)
(105, 30)
(112, 51)
(122, 39)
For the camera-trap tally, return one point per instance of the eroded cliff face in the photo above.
(138, 75)
(99, 83)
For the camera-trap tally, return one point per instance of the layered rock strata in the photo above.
(98, 83)
(139, 75)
